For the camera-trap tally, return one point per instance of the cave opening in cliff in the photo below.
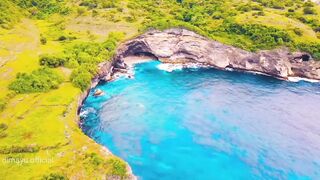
(305, 57)
(146, 54)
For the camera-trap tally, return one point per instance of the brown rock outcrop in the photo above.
(184, 46)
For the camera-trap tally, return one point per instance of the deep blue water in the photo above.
(208, 124)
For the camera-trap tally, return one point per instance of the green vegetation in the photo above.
(40, 98)
(50, 50)
(19, 149)
(118, 167)
(220, 20)
(207, 18)
(313, 48)
(9, 14)
(87, 56)
(309, 10)
(83, 58)
(3, 127)
(54, 176)
(263, 36)
(43, 8)
(41, 80)
(81, 77)
(52, 61)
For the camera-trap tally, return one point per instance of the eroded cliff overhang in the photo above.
(184, 46)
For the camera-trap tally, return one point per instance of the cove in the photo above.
(208, 124)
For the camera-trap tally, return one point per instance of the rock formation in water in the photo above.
(184, 46)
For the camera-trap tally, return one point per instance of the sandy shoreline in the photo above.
(132, 60)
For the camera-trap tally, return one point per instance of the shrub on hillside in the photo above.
(272, 3)
(94, 158)
(308, 4)
(259, 13)
(290, 10)
(81, 11)
(217, 15)
(9, 14)
(89, 3)
(94, 13)
(71, 63)
(244, 8)
(263, 37)
(118, 167)
(93, 53)
(130, 19)
(108, 4)
(52, 61)
(43, 8)
(19, 149)
(309, 10)
(313, 22)
(86, 56)
(81, 79)
(62, 38)
(3, 127)
(298, 31)
(92, 49)
(312, 48)
(40, 80)
(3, 104)
(256, 7)
(54, 176)
(43, 40)
(5, 100)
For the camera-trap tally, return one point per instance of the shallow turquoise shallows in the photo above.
(208, 124)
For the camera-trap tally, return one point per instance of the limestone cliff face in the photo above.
(183, 46)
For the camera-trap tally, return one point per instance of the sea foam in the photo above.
(176, 67)
(297, 79)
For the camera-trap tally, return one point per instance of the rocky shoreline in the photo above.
(181, 46)
(184, 47)
(82, 98)
(105, 71)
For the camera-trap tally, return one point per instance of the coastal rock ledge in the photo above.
(184, 46)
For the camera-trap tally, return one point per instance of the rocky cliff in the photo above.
(183, 46)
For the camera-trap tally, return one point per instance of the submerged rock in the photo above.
(98, 92)
(184, 46)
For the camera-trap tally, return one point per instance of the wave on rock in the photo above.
(86, 111)
(297, 79)
(176, 67)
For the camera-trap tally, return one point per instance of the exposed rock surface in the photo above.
(183, 46)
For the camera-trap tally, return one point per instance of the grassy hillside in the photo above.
(251, 25)
(42, 126)
(49, 50)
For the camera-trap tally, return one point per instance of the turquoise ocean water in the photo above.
(208, 124)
